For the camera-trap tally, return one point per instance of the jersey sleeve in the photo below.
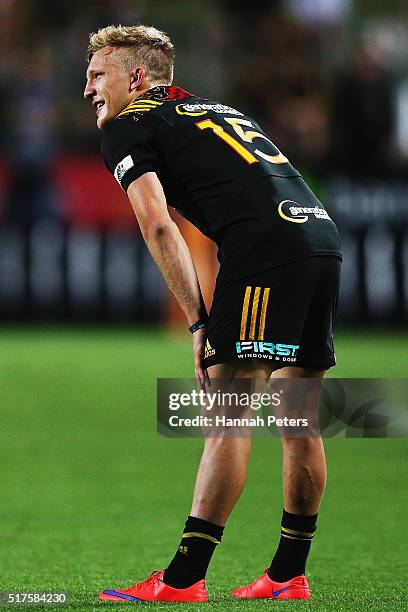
(128, 151)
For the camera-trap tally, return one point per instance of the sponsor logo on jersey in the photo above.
(122, 167)
(294, 212)
(268, 350)
(196, 110)
(209, 351)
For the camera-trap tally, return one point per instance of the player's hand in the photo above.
(201, 373)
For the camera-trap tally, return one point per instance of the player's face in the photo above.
(107, 86)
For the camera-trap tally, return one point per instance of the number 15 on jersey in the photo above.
(238, 126)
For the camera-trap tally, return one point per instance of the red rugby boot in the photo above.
(154, 589)
(264, 587)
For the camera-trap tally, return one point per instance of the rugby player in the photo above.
(277, 287)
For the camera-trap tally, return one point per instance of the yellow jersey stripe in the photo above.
(263, 313)
(244, 316)
(140, 105)
(126, 112)
(134, 110)
(138, 108)
(144, 103)
(255, 305)
(147, 102)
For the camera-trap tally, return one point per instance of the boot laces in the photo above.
(153, 577)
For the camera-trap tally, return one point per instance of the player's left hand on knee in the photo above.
(201, 373)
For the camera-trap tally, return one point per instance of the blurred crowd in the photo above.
(329, 84)
(327, 80)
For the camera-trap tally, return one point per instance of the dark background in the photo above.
(329, 84)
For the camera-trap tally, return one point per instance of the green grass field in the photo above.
(89, 494)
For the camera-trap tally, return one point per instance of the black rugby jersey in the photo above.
(223, 173)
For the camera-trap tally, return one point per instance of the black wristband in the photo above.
(200, 324)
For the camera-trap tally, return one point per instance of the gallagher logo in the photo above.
(196, 110)
(193, 110)
(292, 211)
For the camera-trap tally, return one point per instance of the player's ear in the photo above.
(136, 77)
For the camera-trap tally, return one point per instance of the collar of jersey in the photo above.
(154, 97)
(165, 93)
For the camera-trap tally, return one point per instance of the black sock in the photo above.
(193, 556)
(294, 545)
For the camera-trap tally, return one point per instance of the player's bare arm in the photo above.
(170, 252)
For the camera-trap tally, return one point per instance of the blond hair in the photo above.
(140, 46)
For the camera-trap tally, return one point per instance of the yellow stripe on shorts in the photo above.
(263, 313)
(244, 316)
(255, 305)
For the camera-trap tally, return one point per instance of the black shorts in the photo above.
(284, 316)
